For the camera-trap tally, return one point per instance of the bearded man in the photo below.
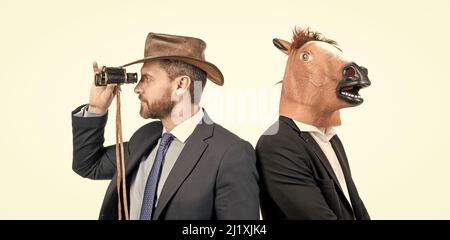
(183, 166)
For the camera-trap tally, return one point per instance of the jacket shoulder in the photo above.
(145, 130)
(282, 140)
(279, 133)
(226, 136)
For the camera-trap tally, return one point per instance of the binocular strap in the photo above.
(120, 162)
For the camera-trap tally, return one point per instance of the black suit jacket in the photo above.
(297, 181)
(214, 177)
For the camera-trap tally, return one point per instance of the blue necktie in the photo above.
(152, 181)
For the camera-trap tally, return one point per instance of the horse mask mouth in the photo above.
(354, 79)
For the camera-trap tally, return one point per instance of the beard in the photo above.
(158, 109)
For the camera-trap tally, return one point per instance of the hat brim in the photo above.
(213, 72)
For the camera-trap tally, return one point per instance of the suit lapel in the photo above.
(342, 157)
(140, 146)
(189, 156)
(312, 144)
(319, 153)
(145, 144)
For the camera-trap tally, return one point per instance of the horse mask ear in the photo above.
(282, 45)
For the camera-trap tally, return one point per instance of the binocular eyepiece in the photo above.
(114, 75)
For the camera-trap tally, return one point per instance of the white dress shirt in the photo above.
(322, 136)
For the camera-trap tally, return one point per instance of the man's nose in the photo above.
(138, 89)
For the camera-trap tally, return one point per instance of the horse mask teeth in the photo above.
(354, 78)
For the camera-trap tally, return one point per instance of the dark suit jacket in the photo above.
(214, 177)
(297, 181)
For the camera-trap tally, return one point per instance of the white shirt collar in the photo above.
(183, 130)
(324, 133)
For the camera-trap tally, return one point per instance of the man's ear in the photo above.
(282, 45)
(183, 85)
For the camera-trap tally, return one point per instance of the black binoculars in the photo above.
(114, 75)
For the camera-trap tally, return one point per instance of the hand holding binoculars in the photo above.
(114, 75)
(101, 98)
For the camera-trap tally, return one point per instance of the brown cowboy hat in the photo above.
(187, 49)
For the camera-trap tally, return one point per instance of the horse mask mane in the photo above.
(318, 80)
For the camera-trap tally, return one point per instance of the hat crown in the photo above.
(187, 49)
(161, 45)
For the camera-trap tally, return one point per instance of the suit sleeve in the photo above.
(286, 177)
(237, 191)
(90, 158)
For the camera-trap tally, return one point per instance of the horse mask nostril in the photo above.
(353, 72)
(349, 72)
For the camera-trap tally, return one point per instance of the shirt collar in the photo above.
(323, 133)
(183, 130)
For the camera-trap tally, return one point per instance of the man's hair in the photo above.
(176, 68)
(304, 35)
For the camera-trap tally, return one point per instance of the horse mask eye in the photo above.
(305, 56)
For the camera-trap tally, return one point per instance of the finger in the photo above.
(95, 66)
(96, 70)
(112, 88)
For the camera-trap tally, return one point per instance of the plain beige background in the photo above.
(397, 141)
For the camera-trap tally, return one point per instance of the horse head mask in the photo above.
(318, 79)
